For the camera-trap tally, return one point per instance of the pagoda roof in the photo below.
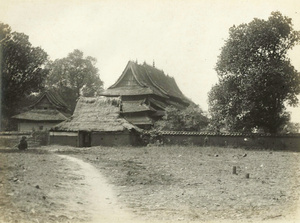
(42, 115)
(150, 80)
(135, 106)
(54, 98)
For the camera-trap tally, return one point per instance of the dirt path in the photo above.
(100, 200)
(97, 195)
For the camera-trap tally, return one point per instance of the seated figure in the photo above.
(23, 143)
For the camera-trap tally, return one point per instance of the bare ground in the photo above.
(163, 184)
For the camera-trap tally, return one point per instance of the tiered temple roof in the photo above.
(145, 92)
(144, 79)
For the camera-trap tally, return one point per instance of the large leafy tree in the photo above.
(256, 77)
(73, 76)
(191, 118)
(22, 69)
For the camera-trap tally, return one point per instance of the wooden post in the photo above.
(234, 170)
(247, 175)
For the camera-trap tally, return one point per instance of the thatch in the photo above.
(41, 115)
(99, 114)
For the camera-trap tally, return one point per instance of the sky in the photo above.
(182, 37)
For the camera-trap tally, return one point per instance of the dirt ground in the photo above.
(148, 184)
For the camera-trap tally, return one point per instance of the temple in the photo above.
(145, 92)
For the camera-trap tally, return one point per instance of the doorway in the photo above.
(86, 139)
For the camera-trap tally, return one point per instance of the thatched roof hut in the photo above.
(96, 114)
(96, 121)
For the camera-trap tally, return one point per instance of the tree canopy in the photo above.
(190, 119)
(73, 76)
(256, 77)
(22, 68)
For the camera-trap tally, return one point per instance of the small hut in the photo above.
(47, 111)
(95, 121)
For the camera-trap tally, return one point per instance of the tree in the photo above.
(256, 77)
(73, 76)
(190, 119)
(22, 69)
(290, 127)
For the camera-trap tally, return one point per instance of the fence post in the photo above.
(234, 170)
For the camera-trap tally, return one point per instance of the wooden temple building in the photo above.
(145, 92)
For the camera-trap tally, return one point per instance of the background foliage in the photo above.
(256, 77)
(190, 119)
(26, 71)
(23, 71)
(74, 76)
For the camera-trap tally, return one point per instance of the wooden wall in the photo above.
(97, 139)
(64, 138)
(109, 139)
(256, 142)
(36, 126)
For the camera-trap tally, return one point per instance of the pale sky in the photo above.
(183, 37)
